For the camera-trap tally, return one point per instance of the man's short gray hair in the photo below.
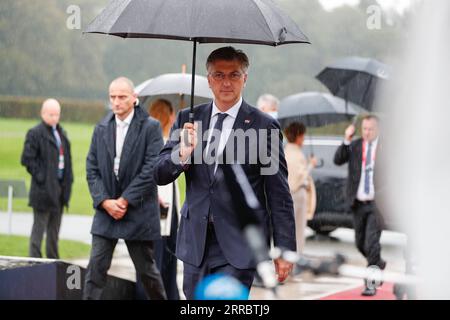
(268, 98)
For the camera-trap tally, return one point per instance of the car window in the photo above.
(324, 150)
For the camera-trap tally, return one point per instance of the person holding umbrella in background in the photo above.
(361, 156)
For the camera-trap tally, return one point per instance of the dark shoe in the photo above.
(369, 292)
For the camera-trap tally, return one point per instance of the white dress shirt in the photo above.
(227, 127)
(361, 195)
(121, 132)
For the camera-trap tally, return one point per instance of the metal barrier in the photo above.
(12, 189)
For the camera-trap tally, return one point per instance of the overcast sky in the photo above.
(399, 5)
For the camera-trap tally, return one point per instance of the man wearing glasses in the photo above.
(209, 239)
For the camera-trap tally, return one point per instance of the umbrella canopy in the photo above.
(355, 79)
(174, 83)
(202, 21)
(315, 109)
(140, 86)
(174, 87)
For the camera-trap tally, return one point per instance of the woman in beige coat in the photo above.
(300, 181)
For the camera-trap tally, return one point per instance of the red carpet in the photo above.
(383, 293)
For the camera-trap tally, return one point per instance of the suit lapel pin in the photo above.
(247, 121)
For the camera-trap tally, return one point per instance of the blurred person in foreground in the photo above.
(361, 156)
(46, 156)
(119, 171)
(169, 201)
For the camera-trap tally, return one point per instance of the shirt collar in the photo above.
(374, 142)
(127, 120)
(232, 112)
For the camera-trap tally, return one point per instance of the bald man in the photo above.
(119, 170)
(46, 156)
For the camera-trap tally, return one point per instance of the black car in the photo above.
(332, 210)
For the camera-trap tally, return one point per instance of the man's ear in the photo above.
(135, 99)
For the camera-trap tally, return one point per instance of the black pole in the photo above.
(346, 100)
(191, 113)
(308, 123)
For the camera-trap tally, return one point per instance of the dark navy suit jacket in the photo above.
(206, 194)
(142, 145)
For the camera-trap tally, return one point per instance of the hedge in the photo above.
(72, 110)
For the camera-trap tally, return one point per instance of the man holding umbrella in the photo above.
(361, 156)
(210, 239)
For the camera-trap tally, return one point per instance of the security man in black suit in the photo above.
(361, 156)
(119, 171)
(46, 156)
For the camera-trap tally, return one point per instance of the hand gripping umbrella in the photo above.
(199, 21)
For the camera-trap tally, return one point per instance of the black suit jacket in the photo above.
(205, 194)
(352, 154)
(41, 156)
(136, 184)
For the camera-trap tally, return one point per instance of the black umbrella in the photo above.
(202, 21)
(355, 79)
(315, 109)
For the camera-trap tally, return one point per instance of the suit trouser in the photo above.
(368, 228)
(300, 211)
(48, 221)
(141, 252)
(166, 260)
(213, 262)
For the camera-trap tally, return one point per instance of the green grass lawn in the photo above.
(17, 246)
(12, 137)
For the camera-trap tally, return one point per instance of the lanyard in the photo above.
(374, 154)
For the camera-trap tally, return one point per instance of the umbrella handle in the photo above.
(355, 120)
(194, 53)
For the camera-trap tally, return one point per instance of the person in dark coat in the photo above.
(361, 156)
(209, 239)
(46, 156)
(119, 167)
